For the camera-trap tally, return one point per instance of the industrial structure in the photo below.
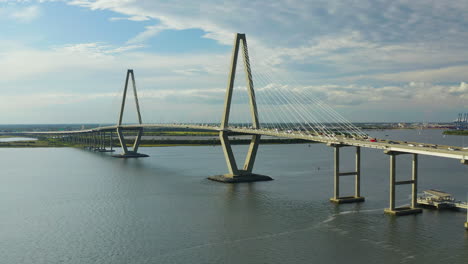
(461, 123)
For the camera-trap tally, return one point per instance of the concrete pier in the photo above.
(105, 150)
(402, 211)
(130, 154)
(347, 199)
(229, 178)
(398, 211)
(357, 198)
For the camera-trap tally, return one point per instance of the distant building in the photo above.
(461, 123)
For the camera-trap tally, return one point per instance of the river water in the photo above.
(16, 139)
(65, 205)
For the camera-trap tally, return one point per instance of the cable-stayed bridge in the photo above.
(273, 110)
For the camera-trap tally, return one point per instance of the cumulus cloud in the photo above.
(371, 40)
(132, 18)
(96, 49)
(461, 90)
(367, 53)
(149, 32)
(25, 14)
(352, 95)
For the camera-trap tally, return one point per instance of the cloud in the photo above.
(379, 21)
(132, 18)
(96, 49)
(349, 40)
(420, 93)
(461, 90)
(150, 31)
(442, 74)
(87, 64)
(26, 14)
(371, 54)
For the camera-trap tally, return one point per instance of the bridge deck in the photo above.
(452, 152)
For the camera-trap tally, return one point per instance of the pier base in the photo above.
(105, 150)
(348, 199)
(356, 198)
(130, 155)
(403, 211)
(229, 178)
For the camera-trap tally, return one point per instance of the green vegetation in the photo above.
(456, 132)
(41, 143)
(44, 142)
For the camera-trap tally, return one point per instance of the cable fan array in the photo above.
(285, 106)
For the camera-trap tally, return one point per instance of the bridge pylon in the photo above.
(235, 174)
(126, 152)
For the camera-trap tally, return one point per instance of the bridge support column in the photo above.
(102, 147)
(111, 141)
(357, 198)
(126, 153)
(97, 137)
(464, 161)
(235, 174)
(103, 142)
(96, 141)
(88, 141)
(412, 209)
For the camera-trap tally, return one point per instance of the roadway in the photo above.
(452, 152)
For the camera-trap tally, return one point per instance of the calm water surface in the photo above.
(74, 206)
(14, 139)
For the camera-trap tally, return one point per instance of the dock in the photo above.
(439, 199)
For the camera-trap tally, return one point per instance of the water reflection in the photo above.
(77, 206)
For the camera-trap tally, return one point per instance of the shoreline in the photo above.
(181, 138)
(54, 143)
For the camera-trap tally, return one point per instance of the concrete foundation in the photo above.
(356, 198)
(105, 150)
(130, 155)
(226, 178)
(403, 211)
(349, 199)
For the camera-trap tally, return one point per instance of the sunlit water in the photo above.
(15, 139)
(64, 205)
